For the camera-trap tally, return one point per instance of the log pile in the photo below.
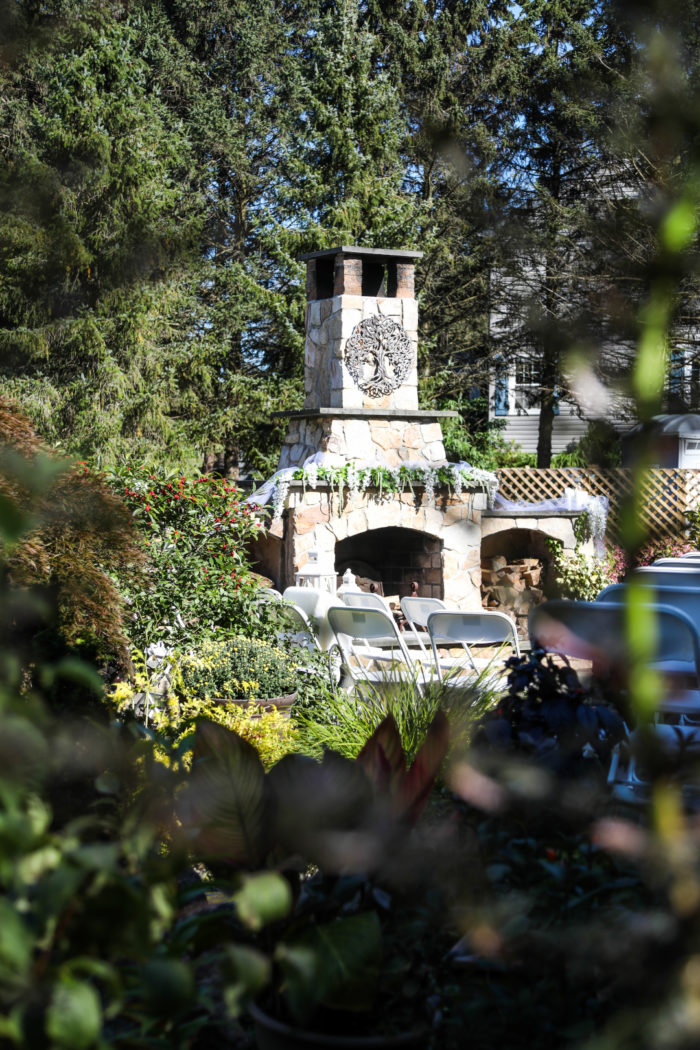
(512, 587)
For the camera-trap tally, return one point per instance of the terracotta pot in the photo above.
(283, 704)
(275, 1035)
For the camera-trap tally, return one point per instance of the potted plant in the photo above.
(245, 671)
(365, 935)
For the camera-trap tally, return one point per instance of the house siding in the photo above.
(523, 431)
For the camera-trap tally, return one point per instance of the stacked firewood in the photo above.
(512, 587)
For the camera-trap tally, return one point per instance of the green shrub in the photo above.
(581, 576)
(237, 668)
(342, 722)
(196, 532)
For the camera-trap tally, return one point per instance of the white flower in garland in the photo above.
(311, 474)
(457, 479)
(430, 477)
(597, 516)
(353, 480)
(281, 493)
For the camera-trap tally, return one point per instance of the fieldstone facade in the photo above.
(329, 325)
(395, 441)
(366, 296)
(314, 521)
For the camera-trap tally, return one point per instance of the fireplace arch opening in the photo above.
(393, 557)
(516, 573)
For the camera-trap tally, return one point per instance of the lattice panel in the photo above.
(692, 489)
(666, 493)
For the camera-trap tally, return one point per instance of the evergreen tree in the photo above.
(94, 231)
(573, 60)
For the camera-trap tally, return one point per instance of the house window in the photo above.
(526, 388)
(517, 391)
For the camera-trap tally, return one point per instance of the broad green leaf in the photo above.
(680, 225)
(225, 804)
(263, 898)
(74, 1015)
(246, 971)
(334, 965)
(15, 943)
(168, 985)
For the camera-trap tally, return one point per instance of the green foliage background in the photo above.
(165, 163)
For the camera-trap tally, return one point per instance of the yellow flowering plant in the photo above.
(236, 669)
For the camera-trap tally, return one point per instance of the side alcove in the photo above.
(516, 572)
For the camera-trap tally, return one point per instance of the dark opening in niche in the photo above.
(379, 278)
(324, 278)
(394, 557)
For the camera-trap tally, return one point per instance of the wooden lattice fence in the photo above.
(667, 493)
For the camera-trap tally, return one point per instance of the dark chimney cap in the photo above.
(353, 249)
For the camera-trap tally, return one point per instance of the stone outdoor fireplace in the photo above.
(361, 406)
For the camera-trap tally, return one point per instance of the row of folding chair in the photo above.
(371, 646)
(363, 633)
(597, 631)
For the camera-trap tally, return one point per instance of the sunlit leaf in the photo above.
(74, 1015)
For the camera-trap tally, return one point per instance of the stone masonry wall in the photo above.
(312, 523)
(395, 441)
(329, 324)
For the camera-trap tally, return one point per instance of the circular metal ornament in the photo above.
(378, 355)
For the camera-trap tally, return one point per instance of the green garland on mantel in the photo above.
(455, 477)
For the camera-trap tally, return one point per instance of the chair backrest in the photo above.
(485, 627)
(315, 605)
(366, 600)
(270, 592)
(659, 576)
(690, 554)
(364, 626)
(293, 626)
(687, 599)
(417, 610)
(454, 627)
(597, 631)
(681, 562)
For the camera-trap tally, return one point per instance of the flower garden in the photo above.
(182, 860)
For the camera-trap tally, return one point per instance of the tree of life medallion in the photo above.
(378, 355)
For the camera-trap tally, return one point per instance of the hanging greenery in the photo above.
(385, 481)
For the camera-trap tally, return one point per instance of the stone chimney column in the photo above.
(361, 330)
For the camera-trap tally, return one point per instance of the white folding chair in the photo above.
(452, 628)
(362, 635)
(416, 611)
(596, 631)
(367, 600)
(686, 599)
(292, 625)
(315, 605)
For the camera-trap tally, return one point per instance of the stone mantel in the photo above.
(424, 415)
(534, 511)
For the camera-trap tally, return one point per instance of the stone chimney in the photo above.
(360, 363)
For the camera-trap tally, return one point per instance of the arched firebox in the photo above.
(516, 572)
(394, 557)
